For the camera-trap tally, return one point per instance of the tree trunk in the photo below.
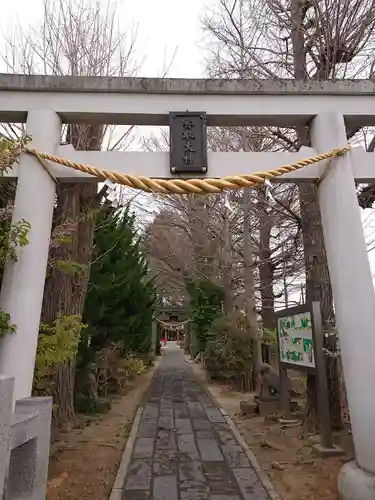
(59, 298)
(227, 261)
(266, 272)
(197, 217)
(318, 287)
(64, 413)
(249, 285)
(89, 204)
(65, 292)
(66, 287)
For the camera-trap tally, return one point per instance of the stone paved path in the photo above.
(184, 449)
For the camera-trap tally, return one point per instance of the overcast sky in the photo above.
(163, 27)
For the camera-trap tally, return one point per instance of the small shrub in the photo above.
(12, 238)
(89, 406)
(107, 361)
(229, 351)
(269, 336)
(114, 371)
(6, 326)
(148, 360)
(130, 367)
(58, 344)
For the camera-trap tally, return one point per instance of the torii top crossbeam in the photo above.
(148, 101)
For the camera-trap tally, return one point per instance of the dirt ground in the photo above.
(293, 467)
(84, 462)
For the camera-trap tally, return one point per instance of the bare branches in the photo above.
(314, 39)
(261, 38)
(76, 38)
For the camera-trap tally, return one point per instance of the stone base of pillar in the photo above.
(356, 484)
(24, 444)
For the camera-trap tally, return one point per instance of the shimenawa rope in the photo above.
(188, 186)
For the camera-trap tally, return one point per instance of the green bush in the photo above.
(89, 406)
(269, 336)
(147, 359)
(114, 371)
(57, 344)
(229, 351)
(206, 300)
(130, 367)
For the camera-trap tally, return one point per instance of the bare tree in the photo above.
(216, 229)
(317, 39)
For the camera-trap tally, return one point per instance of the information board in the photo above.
(300, 339)
(295, 336)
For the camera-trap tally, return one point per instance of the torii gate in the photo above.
(44, 102)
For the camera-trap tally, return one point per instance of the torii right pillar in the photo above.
(354, 300)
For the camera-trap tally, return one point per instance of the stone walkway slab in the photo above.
(184, 449)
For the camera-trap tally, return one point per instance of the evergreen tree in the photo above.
(206, 304)
(120, 299)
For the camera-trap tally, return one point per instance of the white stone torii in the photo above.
(45, 102)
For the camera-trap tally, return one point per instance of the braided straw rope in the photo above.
(189, 186)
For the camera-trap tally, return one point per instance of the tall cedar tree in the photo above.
(120, 300)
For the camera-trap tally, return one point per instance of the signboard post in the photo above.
(300, 348)
(188, 142)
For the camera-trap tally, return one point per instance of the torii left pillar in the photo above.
(23, 281)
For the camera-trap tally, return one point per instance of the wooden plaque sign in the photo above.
(188, 142)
